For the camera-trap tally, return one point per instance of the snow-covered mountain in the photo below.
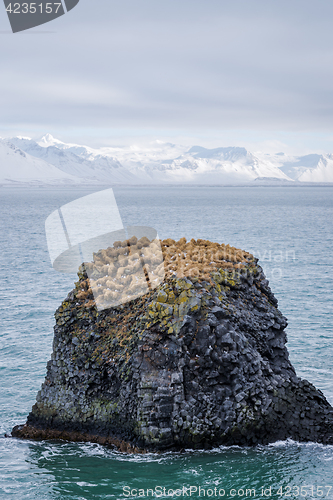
(308, 168)
(220, 165)
(79, 161)
(18, 167)
(160, 162)
(322, 171)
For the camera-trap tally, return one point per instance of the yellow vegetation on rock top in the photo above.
(199, 258)
(131, 268)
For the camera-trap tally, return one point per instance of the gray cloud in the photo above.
(173, 65)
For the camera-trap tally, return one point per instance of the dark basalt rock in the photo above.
(192, 364)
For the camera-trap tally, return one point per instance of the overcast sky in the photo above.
(221, 72)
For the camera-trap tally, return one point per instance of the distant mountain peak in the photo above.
(48, 140)
(19, 167)
(24, 138)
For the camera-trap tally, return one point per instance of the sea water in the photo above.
(288, 228)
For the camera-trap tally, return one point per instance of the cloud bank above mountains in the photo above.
(24, 161)
(189, 66)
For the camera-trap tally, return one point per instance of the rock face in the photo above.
(197, 362)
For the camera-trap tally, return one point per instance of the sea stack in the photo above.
(197, 362)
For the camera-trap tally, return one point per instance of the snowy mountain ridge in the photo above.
(18, 167)
(49, 160)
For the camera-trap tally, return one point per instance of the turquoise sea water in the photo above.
(289, 229)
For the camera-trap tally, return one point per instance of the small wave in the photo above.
(290, 442)
(83, 483)
(319, 370)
